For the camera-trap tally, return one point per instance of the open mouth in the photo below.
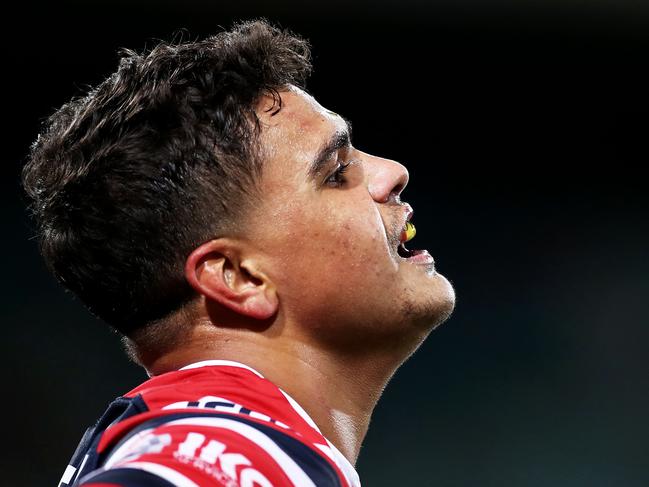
(414, 256)
(407, 234)
(404, 252)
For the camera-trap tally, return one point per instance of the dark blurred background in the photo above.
(525, 129)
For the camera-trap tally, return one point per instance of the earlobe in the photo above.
(215, 270)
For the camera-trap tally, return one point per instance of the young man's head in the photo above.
(200, 185)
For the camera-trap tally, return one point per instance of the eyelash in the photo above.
(337, 178)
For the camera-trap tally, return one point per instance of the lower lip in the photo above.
(421, 257)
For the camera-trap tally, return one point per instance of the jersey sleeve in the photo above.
(211, 451)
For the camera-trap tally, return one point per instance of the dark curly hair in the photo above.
(162, 156)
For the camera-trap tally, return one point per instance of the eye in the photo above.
(338, 177)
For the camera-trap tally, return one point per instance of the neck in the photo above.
(338, 393)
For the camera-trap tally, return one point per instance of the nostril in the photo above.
(395, 195)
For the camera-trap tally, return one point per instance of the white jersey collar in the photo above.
(230, 363)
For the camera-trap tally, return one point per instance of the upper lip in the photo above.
(407, 212)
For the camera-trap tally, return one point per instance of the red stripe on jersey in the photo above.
(227, 440)
(203, 454)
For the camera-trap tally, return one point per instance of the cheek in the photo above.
(329, 246)
(357, 247)
(352, 246)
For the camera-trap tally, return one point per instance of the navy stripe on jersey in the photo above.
(127, 477)
(85, 458)
(312, 463)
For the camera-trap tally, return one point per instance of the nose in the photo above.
(386, 178)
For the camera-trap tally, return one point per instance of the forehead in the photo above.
(299, 128)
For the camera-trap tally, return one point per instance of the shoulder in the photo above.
(220, 425)
(188, 449)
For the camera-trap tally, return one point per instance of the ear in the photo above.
(215, 270)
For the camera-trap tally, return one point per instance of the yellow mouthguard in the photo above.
(411, 231)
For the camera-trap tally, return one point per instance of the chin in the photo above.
(445, 300)
(429, 310)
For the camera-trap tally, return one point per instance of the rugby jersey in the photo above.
(212, 423)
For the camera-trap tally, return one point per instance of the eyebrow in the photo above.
(338, 140)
